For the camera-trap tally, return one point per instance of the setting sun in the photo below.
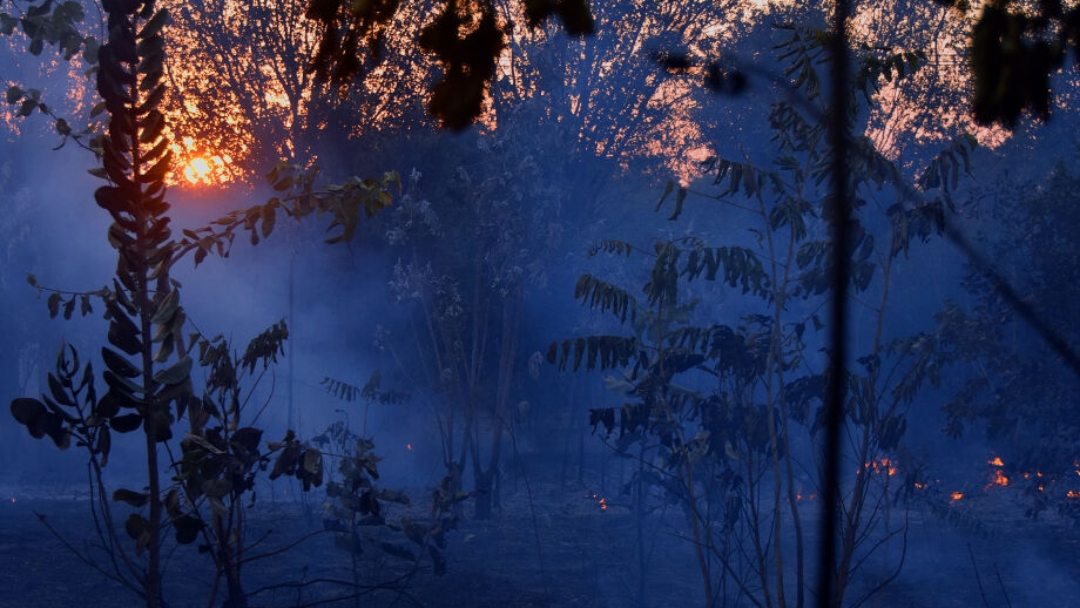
(197, 170)
(206, 170)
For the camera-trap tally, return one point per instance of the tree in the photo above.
(58, 25)
(236, 80)
(1013, 385)
(243, 97)
(1013, 55)
(148, 364)
(606, 95)
(724, 417)
(466, 37)
(912, 114)
(465, 270)
(1015, 51)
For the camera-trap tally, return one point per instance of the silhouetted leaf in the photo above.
(124, 335)
(176, 373)
(131, 497)
(167, 308)
(313, 465)
(54, 305)
(136, 526)
(56, 388)
(126, 423)
(25, 410)
(187, 529)
(158, 423)
(117, 364)
(121, 385)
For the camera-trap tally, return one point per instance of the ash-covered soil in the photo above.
(548, 547)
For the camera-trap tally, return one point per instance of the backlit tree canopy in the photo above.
(253, 82)
(237, 76)
(244, 96)
(256, 82)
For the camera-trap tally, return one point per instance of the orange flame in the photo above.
(955, 496)
(999, 480)
(600, 500)
(1038, 475)
(881, 465)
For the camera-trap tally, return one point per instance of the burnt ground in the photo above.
(553, 548)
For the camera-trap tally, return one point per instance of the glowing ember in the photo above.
(1041, 486)
(881, 465)
(955, 496)
(1071, 494)
(999, 480)
(601, 502)
(919, 485)
(999, 477)
(408, 446)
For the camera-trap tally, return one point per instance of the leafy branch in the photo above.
(344, 202)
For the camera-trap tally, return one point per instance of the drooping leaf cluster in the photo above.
(466, 37)
(71, 410)
(344, 27)
(371, 392)
(467, 52)
(1015, 50)
(55, 24)
(51, 23)
(144, 312)
(346, 203)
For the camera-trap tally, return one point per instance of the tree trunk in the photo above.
(483, 495)
(236, 598)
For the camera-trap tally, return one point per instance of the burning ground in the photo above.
(570, 546)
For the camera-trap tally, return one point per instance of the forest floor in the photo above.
(547, 547)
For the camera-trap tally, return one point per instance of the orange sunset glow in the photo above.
(206, 170)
